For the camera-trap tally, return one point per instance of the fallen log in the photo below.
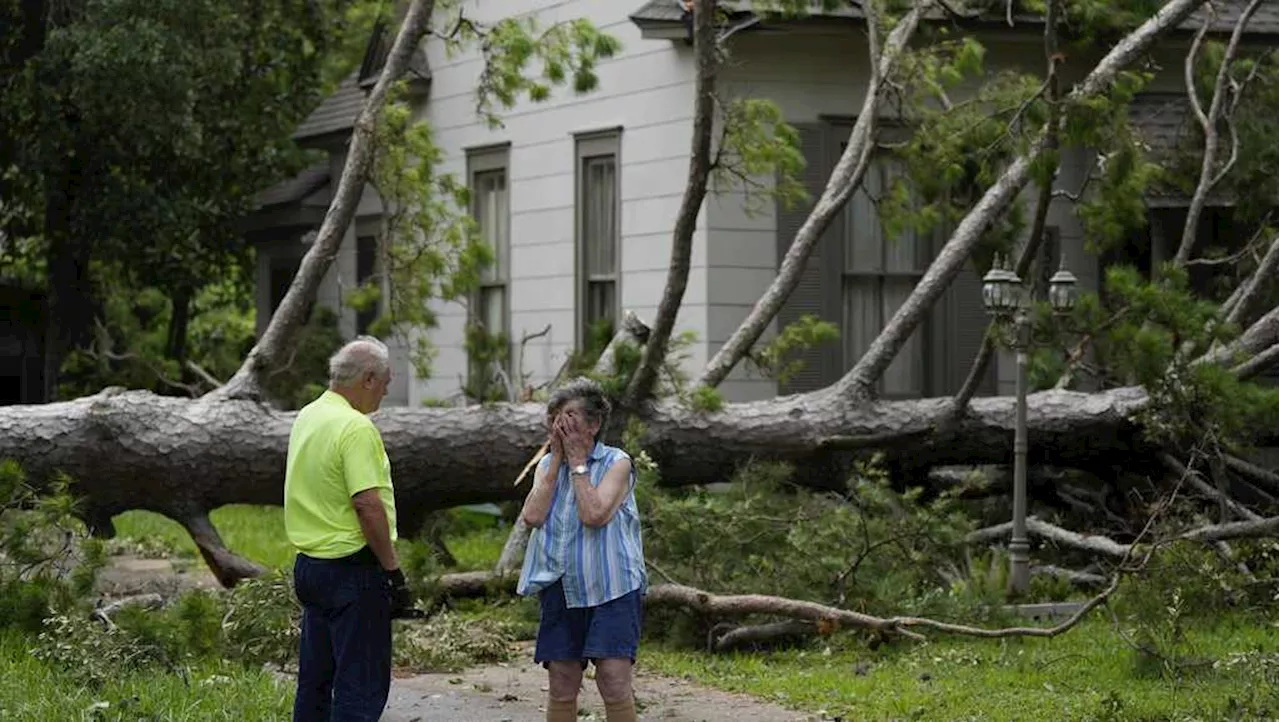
(734, 606)
(183, 458)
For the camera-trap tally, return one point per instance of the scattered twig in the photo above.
(145, 601)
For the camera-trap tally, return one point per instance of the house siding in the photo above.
(646, 94)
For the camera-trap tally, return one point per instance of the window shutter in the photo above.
(818, 292)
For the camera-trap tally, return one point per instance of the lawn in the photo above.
(1086, 674)
(257, 533)
(1089, 673)
(36, 691)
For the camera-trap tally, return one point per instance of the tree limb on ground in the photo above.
(733, 606)
(1096, 544)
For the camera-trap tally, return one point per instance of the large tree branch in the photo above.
(1097, 544)
(846, 177)
(1263, 361)
(695, 191)
(1255, 286)
(860, 380)
(1209, 172)
(1256, 339)
(290, 316)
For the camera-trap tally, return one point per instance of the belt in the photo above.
(363, 557)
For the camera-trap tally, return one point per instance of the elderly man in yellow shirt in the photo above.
(340, 514)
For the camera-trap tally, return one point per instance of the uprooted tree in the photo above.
(1171, 368)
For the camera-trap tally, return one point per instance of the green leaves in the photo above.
(567, 52)
(432, 247)
(756, 142)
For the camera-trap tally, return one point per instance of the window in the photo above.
(598, 241)
(489, 309)
(366, 268)
(879, 274)
(282, 270)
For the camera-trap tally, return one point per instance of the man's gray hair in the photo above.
(364, 354)
(594, 400)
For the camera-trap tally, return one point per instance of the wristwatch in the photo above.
(580, 469)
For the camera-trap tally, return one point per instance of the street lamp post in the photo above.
(1004, 297)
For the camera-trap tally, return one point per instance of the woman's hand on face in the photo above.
(577, 440)
(555, 438)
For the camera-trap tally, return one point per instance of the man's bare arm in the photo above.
(597, 504)
(538, 503)
(376, 528)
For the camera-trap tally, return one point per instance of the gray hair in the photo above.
(364, 354)
(594, 400)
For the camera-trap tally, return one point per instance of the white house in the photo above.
(579, 194)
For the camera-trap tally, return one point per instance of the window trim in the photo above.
(594, 144)
(489, 159)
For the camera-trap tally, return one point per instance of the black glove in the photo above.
(401, 598)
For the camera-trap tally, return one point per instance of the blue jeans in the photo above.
(344, 664)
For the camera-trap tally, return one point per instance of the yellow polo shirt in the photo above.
(335, 452)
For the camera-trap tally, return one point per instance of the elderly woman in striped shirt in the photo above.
(585, 560)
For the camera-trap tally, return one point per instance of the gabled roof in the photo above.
(1265, 21)
(338, 112)
(1163, 122)
(292, 190)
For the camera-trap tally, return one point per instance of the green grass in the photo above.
(257, 533)
(1089, 673)
(36, 691)
(254, 532)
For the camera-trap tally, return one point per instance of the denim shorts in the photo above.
(608, 631)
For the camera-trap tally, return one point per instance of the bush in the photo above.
(869, 549)
(47, 561)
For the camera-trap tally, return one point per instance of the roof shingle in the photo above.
(336, 113)
(292, 190)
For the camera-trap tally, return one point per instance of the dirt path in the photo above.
(516, 692)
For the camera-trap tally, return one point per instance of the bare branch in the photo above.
(1253, 471)
(1256, 339)
(1209, 175)
(1258, 283)
(289, 317)
(1259, 363)
(846, 177)
(695, 191)
(1208, 489)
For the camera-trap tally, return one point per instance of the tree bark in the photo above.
(846, 177)
(182, 458)
(695, 190)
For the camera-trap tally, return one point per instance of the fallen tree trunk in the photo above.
(136, 450)
(182, 458)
